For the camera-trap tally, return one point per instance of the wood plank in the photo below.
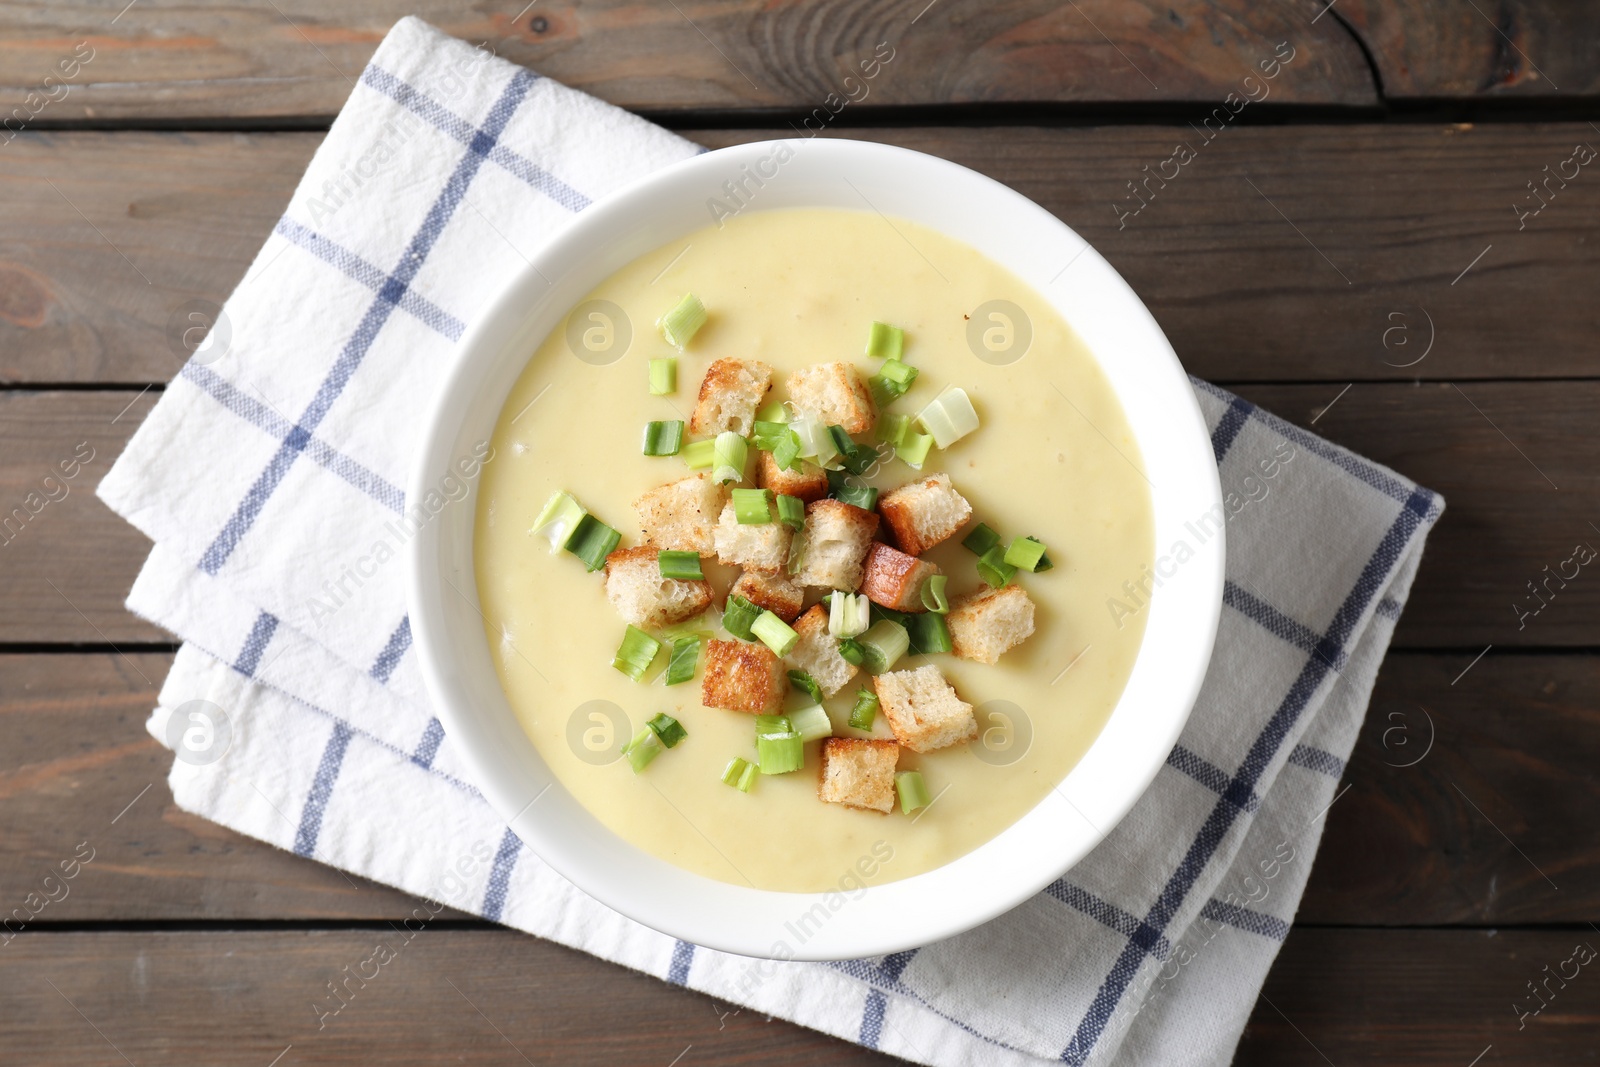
(1512, 49)
(1488, 447)
(1518, 736)
(228, 59)
(496, 997)
(1243, 291)
(77, 766)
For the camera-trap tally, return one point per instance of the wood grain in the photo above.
(1487, 446)
(497, 997)
(1235, 274)
(228, 59)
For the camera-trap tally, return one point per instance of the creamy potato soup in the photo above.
(1052, 458)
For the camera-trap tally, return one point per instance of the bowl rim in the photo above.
(972, 888)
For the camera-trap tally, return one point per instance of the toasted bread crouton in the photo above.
(834, 544)
(924, 512)
(742, 676)
(645, 599)
(985, 624)
(807, 480)
(682, 515)
(859, 773)
(894, 579)
(773, 592)
(817, 652)
(729, 395)
(923, 709)
(758, 546)
(835, 395)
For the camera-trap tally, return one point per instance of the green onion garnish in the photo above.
(884, 642)
(949, 417)
(912, 790)
(740, 774)
(849, 614)
(558, 519)
(792, 511)
(803, 681)
(901, 374)
(856, 459)
(780, 753)
(980, 540)
(774, 633)
(816, 443)
(865, 710)
(637, 652)
(738, 616)
(928, 633)
(852, 651)
(663, 376)
(667, 728)
(811, 723)
(644, 747)
(786, 454)
(841, 488)
(885, 341)
(1025, 553)
(685, 658)
(933, 597)
(892, 429)
(680, 566)
(663, 438)
(697, 455)
(773, 724)
(892, 382)
(680, 324)
(915, 450)
(728, 455)
(752, 507)
(993, 568)
(773, 411)
(592, 542)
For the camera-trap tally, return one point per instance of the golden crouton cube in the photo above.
(859, 773)
(741, 676)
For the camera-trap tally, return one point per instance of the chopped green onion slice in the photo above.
(816, 442)
(849, 614)
(637, 652)
(558, 519)
(928, 633)
(663, 438)
(884, 392)
(949, 417)
(803, 681)
(980, 540)
(884, 642)
(797, 550)
(680, 324)
(663, 376)
(739, 616)
(765, 432)
(680, 566)
(901, 374)
(811, 723)
(913, 791)
(780, 753)
(592, 542)
(773, 411)
(740, 774)
(729, 453)
(667, 728)
(993, 568)
(774, 633)
(699, 454)
(865, 710)
(915, 450)
(885, 341)
(792, 511)
(787, 452)
(856, 459)
(841, 488)
(752, 506)
(644, 747)
(685, 658)
(852, 651)
(892, 429)
(1025, 553)
(772, 724)
(933, 597)
(879, 613)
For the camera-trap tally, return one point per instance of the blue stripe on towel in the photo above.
(396, 647)
(494, 897)
(428, 747)
(256, 643)
(1316, 759)
(872, 1018)
(305, 838)
(1253, 922)
(682, 960)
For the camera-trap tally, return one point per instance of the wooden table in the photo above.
(1347, 253)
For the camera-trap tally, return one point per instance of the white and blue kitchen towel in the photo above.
(270, 476)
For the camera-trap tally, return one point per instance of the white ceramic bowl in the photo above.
(1044, 843)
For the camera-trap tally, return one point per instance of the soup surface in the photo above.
(1053, 458)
